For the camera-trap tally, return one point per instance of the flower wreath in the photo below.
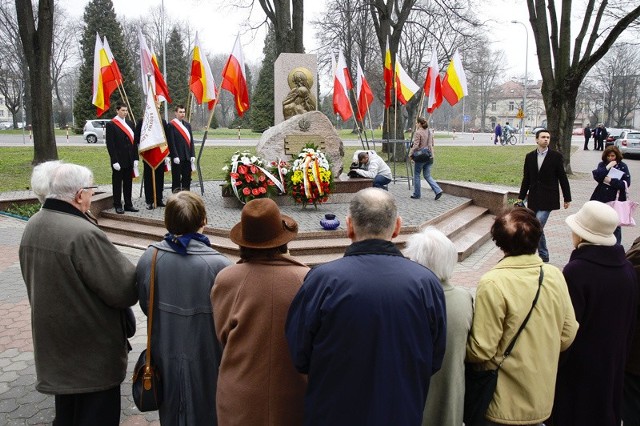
(247, 177)
(310, 180)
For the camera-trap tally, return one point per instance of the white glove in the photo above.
(116, 167)
(193, 159)
(176, 160)
(135, 164)
(167, 164)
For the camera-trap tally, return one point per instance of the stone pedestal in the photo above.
(285, 63)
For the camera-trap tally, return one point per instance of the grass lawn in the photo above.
(492, 164)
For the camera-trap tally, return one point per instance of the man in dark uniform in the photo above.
(123, 153)
(182, 150)
(148, 171)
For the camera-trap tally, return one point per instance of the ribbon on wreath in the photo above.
(311, 161)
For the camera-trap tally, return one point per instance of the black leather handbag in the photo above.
(422, 155)
(480, 385)
(147, 386)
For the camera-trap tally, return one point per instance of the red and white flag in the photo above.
(114, 65)
(365, 95)
(104, 80)
(341, 85)
(234, 78)
(433, 84)
(201, 81)
(149, 70)
(153, 142)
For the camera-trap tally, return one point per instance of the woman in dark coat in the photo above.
(604, 291)
(183, 341)
(611, 188)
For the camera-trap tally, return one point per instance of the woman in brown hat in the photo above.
(257, 382)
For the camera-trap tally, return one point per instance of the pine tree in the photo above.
(262, 113)
(100, 17)
(177, 69)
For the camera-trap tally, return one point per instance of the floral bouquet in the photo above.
(310, 180)
(247, 178)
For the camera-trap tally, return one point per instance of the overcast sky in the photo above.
(218, 23)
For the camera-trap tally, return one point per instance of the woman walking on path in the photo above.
(611, 188)
(423, 138)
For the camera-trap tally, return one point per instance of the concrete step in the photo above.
(467, 226)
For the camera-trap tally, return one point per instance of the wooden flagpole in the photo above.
(355, 120)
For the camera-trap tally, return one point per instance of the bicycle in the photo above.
(508, 138)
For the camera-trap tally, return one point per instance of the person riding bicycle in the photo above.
(508, 131)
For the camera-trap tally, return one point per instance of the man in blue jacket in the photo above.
(369, 329)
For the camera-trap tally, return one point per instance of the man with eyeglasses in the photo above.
(79, 287)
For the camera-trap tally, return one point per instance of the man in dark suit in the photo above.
(182, 151)
(587, 136)
(543, 172)
(123, 154)
(599, 135)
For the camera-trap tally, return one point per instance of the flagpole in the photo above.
(204, 139)
(373, 139)
(354, 117)
(125, 98)
(421, 104)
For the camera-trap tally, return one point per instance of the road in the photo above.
(449, 139)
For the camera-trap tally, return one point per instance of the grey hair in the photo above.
(41, 178)
(67, 179)
(434, 250)
(373, 213)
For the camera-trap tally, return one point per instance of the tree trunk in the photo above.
(561, 113)
(37, 45)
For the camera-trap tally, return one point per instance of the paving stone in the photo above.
(25, 411)
(8, 376)
(8, 405)
(16, 366)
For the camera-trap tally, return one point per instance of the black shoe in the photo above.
(150, 206)
(415, 197)
(119, 210)
(161, 204)
(131, 209)
(438, 195)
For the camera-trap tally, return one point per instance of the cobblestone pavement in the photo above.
(21, 404)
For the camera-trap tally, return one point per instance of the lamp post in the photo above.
(526, 58)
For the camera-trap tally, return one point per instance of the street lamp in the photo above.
(526, 57)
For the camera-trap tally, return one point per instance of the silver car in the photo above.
(629, 142)
(94, 130)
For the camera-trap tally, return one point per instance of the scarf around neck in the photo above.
(179, 243)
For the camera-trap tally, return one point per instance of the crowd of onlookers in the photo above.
(377, 337)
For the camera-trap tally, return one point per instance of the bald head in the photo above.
(373, 214)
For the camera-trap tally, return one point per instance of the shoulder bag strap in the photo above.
(152, 285)
(524, 323)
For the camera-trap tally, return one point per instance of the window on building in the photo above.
(512, 106)
(1, 113)
(1, 101)
(493, 106)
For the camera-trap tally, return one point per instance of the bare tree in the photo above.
(484, 69)
(65, 56)
(13, 67)
(564, 63)
(37, 43)
(619, 74)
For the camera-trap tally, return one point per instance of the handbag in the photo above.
(147, 386)
(480, 385)
(422, 155)
(625, 209)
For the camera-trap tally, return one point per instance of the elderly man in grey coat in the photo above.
(79, 286)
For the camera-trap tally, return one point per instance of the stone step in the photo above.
(467, 226)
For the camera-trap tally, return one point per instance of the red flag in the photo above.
(116, 69)
(365, 95)
(432, 84)
(162, 90)
(388, 76)
(153, 142)
(341, 102)
(234, 79)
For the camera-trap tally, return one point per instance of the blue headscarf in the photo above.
(179, 243)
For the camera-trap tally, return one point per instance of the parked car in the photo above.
(629, 142)
(613, 134)
(94, 130)
(578, 131)
(6, 125)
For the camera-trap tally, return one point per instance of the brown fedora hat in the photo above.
(263, 226)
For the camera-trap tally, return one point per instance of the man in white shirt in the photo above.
(375, 168)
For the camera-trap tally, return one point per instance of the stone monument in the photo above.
(286, 139)
(295, 85)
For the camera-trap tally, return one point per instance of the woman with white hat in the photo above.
(604, 291)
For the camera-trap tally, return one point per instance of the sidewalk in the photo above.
(21, 404)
